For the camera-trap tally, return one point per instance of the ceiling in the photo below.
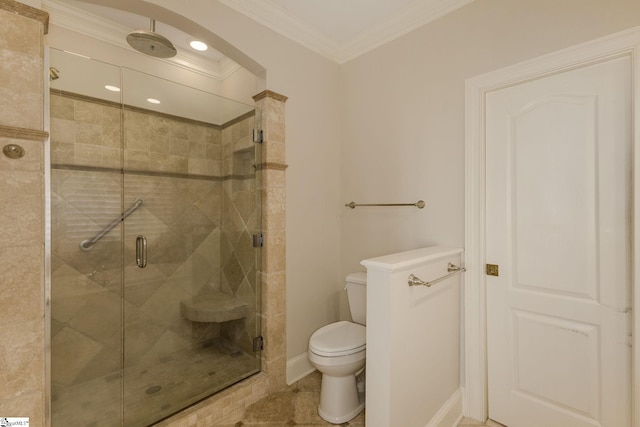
(337, 29)
(343, 29)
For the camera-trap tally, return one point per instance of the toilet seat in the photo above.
(338, 339)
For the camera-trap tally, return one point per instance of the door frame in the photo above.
(625, 43)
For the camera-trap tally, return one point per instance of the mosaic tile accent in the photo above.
(161, 388)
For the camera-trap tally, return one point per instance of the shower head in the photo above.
(151, 43)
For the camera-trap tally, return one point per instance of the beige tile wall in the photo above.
(21, 65)
(273, 271)
(22, 334)
(86, 132)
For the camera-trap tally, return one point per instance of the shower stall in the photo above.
(154, 207)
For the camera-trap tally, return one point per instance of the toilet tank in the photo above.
(356, 287)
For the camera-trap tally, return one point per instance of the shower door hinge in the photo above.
(258, 136)
(258, 240)
(258, 344)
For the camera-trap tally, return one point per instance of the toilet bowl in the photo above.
(338, 351)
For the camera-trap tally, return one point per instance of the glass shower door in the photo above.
(86, 335)
(190, 271)
(154, 279)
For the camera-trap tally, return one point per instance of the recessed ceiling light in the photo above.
(112, 88)
(198, 45)
(153, 101)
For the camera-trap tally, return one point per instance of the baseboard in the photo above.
(450, 414)
(298, 367)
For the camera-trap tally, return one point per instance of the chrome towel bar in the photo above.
(85, 245)
(419, 204)
(451, 268)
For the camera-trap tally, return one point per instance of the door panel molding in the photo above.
(626, 43)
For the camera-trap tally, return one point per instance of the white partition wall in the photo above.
(413, 340)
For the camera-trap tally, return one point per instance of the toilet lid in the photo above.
(338, 339)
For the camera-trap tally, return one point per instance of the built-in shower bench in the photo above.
(215, 307)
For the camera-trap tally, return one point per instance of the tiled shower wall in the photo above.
(197, 183)
(88, 133)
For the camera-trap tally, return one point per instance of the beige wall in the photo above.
(403, 113)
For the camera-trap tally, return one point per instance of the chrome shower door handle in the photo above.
(141, 251)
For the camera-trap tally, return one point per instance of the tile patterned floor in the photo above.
(297, 405)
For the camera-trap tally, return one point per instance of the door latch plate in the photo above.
(492, 270)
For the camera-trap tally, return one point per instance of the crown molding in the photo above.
(274, 17)
(80, 21)
(271, 15)
(415, 16)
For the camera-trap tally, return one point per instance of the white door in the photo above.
(558, 213)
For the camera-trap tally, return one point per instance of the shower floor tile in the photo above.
(152, 392)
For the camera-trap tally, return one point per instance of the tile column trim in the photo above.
(22, 133)
(273, 266)
(274, 166)
(270, 94)
(26, 11)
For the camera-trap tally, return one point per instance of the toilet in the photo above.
(338, 351)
